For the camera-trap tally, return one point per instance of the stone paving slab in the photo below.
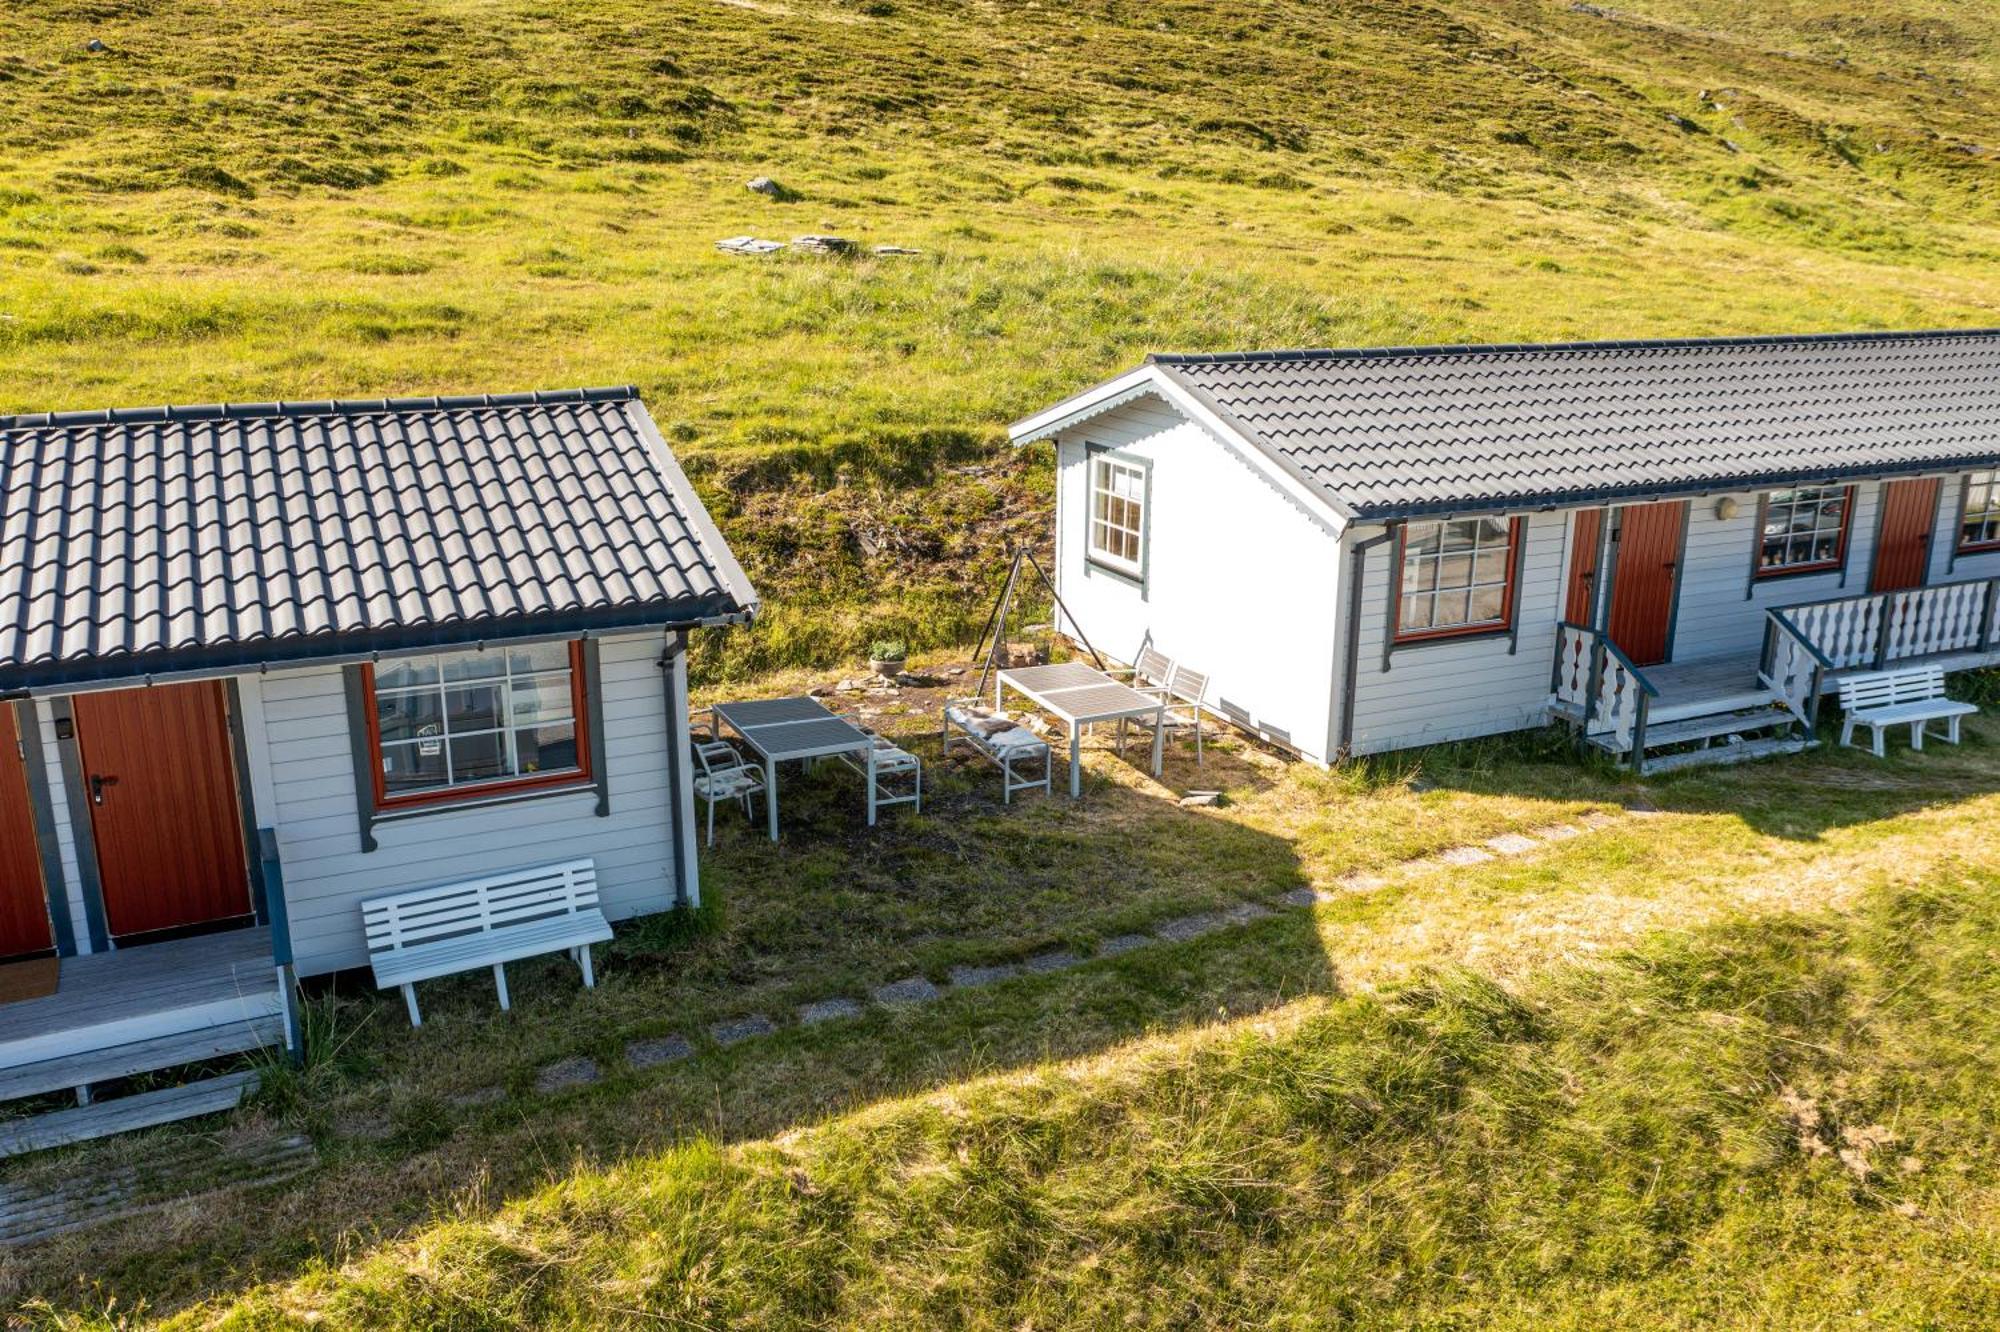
(827, 1010)
(652, 1051)
(1597, 818)
(478, 1096)
(1559, 832)
(1512, 843)
(1460, 856)
(973, 976)
(1301, 897)
(575, 1071)
(902, 993)
(1122, 943)
(740, 1029)
(1041, 964)
(1183, 928)
(1362, 883)
(1245, 912)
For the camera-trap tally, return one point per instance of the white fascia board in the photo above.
(1151, 381)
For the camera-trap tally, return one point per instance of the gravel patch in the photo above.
(827, 1010)
(740, 1029)
(575, 1071)
(903, 993)
(656, 1050)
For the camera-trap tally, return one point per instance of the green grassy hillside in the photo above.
(391, 196)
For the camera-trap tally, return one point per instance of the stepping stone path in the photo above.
(1042, 964)
(827, 1010)
(914, 990)
(903, 993)
(653, 1051)
(575, 1071)
(740, 1029)
(969, 976)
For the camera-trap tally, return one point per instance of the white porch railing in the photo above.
(1608, 694)
(1871, 632)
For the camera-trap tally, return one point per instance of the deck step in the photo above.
(1708, 727)
(1720, 754)
(146, 1110)
(120, 1061)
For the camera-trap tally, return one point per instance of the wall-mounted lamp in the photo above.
(1727, 508)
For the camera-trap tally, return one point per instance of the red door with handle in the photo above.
(1645, 572)
(1909, 515)
(24, 905)
(162, 789)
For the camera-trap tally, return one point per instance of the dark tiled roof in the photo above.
(173, 538)
(1424, 429)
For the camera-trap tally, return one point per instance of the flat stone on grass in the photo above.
(575, 1071)
(1122, 943)
(656, 1050)
(1559, 832)
(903, 993)
(1042, 964)
(1300, 897)
(1511, 843)
(478, 1096)
(1597, 818)
(1184, 928)
(827, 1010)
(1245, 912)
(740, 1029)
(971, 976)
(1461, 856)
(1361, 883)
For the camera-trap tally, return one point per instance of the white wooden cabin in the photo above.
(1676, 546)
(261, 663)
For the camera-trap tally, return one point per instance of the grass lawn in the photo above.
(1608, 1078)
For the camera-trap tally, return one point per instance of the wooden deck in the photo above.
(1706, 686)
(114, 1012)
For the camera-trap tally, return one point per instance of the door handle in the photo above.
(97, 784)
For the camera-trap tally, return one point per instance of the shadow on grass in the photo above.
(447, 1119)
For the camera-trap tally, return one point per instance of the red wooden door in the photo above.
(1587, 534)
(24, 905)
(1645, 572)
(162, 790)
(1909, 515)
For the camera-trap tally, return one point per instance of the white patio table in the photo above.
(1078, 695)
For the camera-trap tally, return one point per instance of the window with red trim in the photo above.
(1457, 577)
(1979, 525)
(458, 725)
(1805, 530)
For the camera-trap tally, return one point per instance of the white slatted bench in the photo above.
(1912, 697)
(484, 922)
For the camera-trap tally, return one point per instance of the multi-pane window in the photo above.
(1117, 513)
(1980, 527)
(461, 722)
(1805, 529)
(1457, 576)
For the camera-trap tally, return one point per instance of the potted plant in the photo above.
(886, 656)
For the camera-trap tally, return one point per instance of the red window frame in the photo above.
(1962, 546)
(1516, 528)
(1839, 560)
(581, 775)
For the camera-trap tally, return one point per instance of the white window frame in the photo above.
(1791, 505)
(1112, 465)
(1986, 513)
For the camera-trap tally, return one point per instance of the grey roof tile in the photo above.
(139, 541)
(1389, 431)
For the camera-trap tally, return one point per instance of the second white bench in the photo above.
(484, 922)
(1913, 696)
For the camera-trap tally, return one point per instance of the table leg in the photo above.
(1159, 741)
(1075, 761)
(771, 794)
(871, 786)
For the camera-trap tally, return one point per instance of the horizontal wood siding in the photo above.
(300, 755)
(1455, 689)
(1241, 581)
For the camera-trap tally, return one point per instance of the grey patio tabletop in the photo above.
(779, 729)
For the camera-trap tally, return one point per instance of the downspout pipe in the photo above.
(1357, 569)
